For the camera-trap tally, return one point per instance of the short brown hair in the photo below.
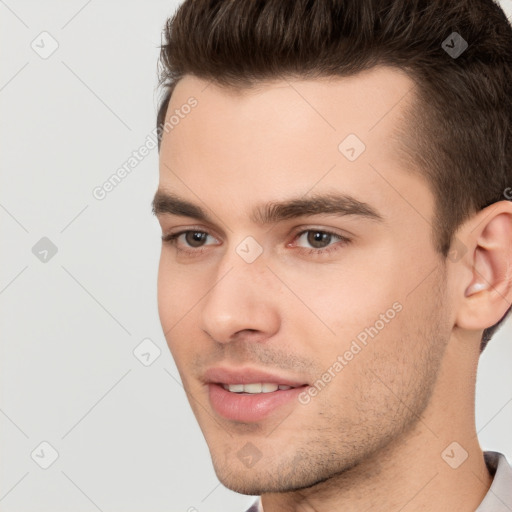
(459, 133)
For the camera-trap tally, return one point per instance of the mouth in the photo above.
(248, 396)
(255, 388)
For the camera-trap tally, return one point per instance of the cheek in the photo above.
(338, 302)
(173, 298)
(166, 299)
(350, 319)
(178, 290)
(359, 372)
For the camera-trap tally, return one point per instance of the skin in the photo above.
(372, 439)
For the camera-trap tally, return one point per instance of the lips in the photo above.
(248, 376)
(248, 395)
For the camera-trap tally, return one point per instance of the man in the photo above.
(334, 202)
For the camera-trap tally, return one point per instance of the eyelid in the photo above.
(299, 230)
(172, 236)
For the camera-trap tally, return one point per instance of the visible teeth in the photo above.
(254, 388)
(236, 388)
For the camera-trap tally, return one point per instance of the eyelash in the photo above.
(343, 241)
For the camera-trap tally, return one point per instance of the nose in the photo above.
(241, 302)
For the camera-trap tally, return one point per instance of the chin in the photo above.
(249, 483)
(264, 477)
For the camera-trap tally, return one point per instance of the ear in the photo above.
(484, 291)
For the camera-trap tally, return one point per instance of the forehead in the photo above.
(360, 102)
(288, 137)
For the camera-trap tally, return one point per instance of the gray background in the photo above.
(125, 436)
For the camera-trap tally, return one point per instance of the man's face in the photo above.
(348, 307)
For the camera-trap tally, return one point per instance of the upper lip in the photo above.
(219, 375)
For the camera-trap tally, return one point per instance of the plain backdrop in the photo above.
(78, 277)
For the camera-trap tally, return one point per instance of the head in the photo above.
(343, 170)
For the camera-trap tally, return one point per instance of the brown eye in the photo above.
(189, 240)
(318, 239)
(319, 242)
(195, 238)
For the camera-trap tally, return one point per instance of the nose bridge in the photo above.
(239, 298)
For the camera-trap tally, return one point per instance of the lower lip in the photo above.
(249, 408)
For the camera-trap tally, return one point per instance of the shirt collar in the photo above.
(499, 495)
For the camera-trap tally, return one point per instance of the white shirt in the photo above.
(499, 495)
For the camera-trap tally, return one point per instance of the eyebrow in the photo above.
(275, 211)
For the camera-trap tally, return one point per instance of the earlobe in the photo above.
(475, 287)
